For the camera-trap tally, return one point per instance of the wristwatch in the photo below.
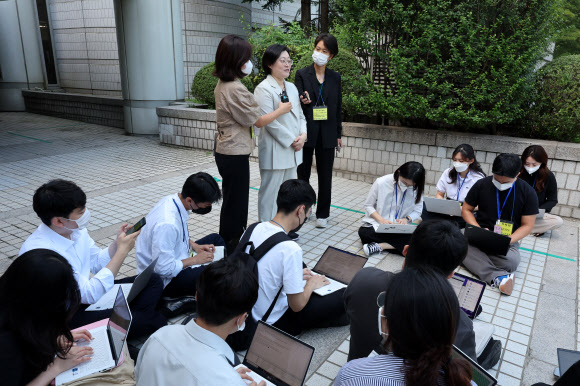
(409, 219)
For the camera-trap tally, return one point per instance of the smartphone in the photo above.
(136, 227)
(303, 95)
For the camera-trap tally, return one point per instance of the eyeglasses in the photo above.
(286, 61)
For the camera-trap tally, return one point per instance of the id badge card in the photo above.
(504, 227)
(320, 113)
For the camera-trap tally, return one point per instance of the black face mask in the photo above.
(300, 225)
(201, 210)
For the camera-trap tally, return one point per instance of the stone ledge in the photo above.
(184, 112)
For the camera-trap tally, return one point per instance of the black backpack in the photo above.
(241, 340)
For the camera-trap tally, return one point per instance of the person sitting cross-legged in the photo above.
(503, 200)
(197, 353)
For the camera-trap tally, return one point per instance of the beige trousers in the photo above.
(271, 181)
(549, 222)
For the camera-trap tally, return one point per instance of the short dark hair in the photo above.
(438, 244)
(272, 54)
(201, 187)
(232, 53)
(329, 41)
(507, 165)
(422, 313)
(57, 198)
(225, 289)
(38, 297)
(293, 193)
(415, 172)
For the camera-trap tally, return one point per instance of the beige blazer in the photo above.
(275, 140)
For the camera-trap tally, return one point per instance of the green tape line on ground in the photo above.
(25, 136)
(358, 211)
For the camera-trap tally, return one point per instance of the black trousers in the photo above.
(368, 235)
(146, 320)
(235, 173)
(185, 283)
(324, 164)
(426, 215)
(317, 313)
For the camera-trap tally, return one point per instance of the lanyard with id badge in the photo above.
(504, 227)
(320, 113)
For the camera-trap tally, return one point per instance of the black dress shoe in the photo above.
(172, 307)
(490, 355)
(478, 311)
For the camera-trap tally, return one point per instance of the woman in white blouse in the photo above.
(417, 319)
(456, 181)
(393, 199)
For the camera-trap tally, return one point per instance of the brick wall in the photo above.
(101, 110)
(371, 151)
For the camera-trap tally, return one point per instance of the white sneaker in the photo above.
(504, 283)
(321, 222)
(371, 248)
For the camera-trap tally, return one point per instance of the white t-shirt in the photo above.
(282, 265)
(445, 186)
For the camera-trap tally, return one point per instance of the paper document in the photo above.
(217, 255)
(107, 301)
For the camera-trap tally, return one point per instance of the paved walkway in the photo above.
(125, 176)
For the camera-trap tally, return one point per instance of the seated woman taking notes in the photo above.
(393, 199)
(456, 181)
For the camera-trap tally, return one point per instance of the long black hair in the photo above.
(422, 312)
(538, 153)
(38, 297)
(415, 172)
(467, 153)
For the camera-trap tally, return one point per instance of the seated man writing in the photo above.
(505, 204)
(61, 205)
(166, 236)
(197, 354)
(437, 244)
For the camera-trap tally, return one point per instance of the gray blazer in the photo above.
(275, 140)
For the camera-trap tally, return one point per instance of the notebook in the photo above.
(469, 292)
(479, 375)
(107, 343)
(448, 207)
(487, 241)
(107, 301)
(277, 357)
(339, 267)
(395, 228)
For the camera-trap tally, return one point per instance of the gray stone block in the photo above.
(572, 182)
(567, 151)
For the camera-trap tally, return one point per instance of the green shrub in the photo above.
(204, 83)
(556, 112)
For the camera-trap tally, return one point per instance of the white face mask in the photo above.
(460, 166)
(381, 332)
(402, 186)
(82, 222)
(532, 170)
(500, 186)
(319, 58)
(248, 69)
(240, 328)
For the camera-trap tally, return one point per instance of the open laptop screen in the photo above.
(479, 375)
(469, 292)
(119, 324)
(278, 357)
(339, 265)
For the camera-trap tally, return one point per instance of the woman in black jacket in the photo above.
(536, 173)
(321, 96)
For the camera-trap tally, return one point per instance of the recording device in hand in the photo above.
(305, 96)
(284, 97)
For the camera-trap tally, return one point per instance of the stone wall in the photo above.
(107, 111)
(370, 150)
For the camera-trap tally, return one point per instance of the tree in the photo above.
(568, 42)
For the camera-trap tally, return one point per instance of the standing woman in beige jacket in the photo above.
(237, 113)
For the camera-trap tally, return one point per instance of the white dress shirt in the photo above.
(186, 356)
(450, 190)
(281, 266)
(82, 254)
(382, 198)
(165, 236)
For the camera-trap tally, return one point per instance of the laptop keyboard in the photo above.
(101, 352)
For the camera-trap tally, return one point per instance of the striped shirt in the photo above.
(381, 370)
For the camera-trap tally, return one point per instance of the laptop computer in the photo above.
(469, 292)
(395, 228)
(339, 267)
(107, 343)
(277, 357)
(541, 213)
(487, 241)
(448, 207)
(107, 301)
(479, 375)
(566, 358)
